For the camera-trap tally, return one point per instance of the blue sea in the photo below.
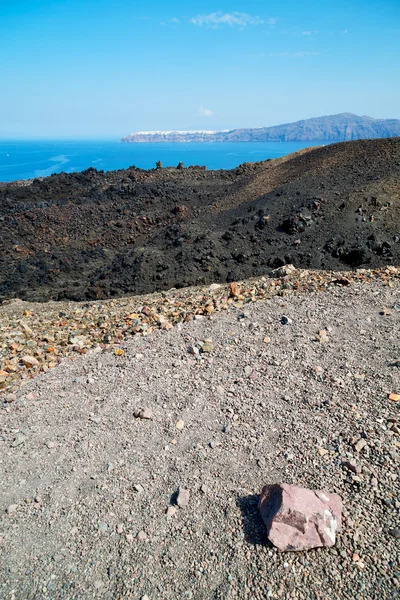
(20, 159)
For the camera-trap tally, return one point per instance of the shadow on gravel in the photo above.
(253, 527)
(173, 498)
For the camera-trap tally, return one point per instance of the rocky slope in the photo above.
(333, 128)
(95, 235)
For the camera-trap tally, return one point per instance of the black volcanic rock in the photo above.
(94, 235)
(334, 128)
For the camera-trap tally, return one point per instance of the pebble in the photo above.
(207, 346)
(183, 498)
(18, 440)
(395, 533)
(30, 361)
(286, 320)
(10, 398)
(144, 413)
(141, 536)
(360, 445)
(12, 509)
(180, 424)
(323, 336)
(171, 511)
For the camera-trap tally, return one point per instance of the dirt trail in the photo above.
(87, 485)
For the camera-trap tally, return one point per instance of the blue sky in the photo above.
(83, 68)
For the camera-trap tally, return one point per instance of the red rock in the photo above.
(299, 519)
(234, 289)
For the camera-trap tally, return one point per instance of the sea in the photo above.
(27, 159)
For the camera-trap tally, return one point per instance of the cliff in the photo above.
(334, 128)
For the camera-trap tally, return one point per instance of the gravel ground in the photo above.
(36, 337)
(85, 485)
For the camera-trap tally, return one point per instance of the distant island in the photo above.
(333, 128)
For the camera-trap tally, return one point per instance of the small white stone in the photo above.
(183, 497)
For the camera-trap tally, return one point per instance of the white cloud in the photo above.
(171, 22)
(309, 32)
(205, 112)
(218, 19)
(255, 54)
(294, 54)
(345, 31)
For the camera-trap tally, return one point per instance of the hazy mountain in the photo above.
(334, 128)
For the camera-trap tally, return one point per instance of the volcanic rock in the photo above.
(299, 519)
(94, 235)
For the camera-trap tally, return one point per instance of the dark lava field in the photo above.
(93, 235)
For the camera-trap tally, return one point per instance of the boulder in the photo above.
(298, 518)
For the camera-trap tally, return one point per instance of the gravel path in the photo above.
(85, 486)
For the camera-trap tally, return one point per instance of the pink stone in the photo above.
(299, 519)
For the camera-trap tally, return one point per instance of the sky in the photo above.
(102, 68)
